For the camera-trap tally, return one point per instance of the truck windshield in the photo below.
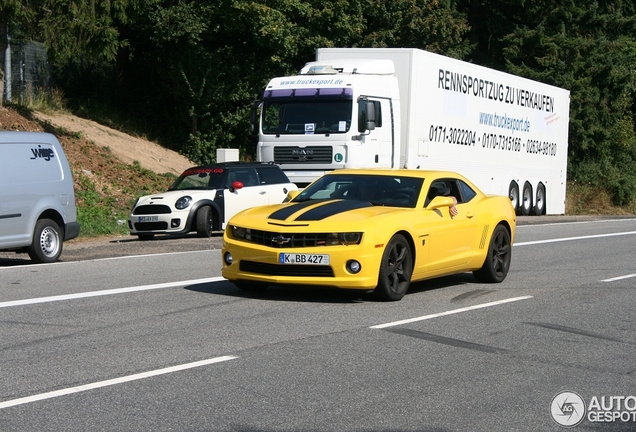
(307, 111)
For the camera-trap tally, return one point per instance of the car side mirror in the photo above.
(440, 201)
(291, 195)
(236, 186)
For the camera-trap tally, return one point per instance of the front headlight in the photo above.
(183, 202)
(346, 239)
(239, 233)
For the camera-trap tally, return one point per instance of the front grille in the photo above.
(286, 270)
(294, 240)
(152, 209)
(151, 226)
(300, 155)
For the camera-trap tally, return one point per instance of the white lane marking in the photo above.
(450, 312)
(70, 390)
(531, 225)
(574, 238)
(619, 278)
(108, 292)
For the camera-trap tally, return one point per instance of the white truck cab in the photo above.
(37, 198)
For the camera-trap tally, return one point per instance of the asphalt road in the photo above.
(142, 340)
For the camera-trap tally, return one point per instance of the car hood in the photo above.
(169, 197)
(313, 212)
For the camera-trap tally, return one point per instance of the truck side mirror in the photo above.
(370, 119)
(367, 120)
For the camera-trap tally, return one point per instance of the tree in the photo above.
(590, 50)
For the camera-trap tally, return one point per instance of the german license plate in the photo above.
(148, 218)
(312, 259)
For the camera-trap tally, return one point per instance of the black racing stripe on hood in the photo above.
(289, 210)
(331, 208)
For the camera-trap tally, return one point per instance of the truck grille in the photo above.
(286, 270)
(300, 155)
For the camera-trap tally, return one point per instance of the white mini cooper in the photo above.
(205, 197)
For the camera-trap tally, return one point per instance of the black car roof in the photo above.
(236, 163)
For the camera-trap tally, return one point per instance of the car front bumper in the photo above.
(263, 265)
(172, 223)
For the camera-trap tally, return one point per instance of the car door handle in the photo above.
(262, 192)
(470, 215)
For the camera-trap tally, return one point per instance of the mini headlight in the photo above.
(183, 202)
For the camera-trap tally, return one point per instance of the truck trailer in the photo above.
(409, 108)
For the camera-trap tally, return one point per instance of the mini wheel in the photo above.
(204, 222)
(396, 269)
(497, 262)
(47, 242)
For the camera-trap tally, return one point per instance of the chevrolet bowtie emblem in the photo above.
(280, 239)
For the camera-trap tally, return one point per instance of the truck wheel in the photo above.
(526, 197)
(513, 194)
(497, 260)
(47, 242)
(396, 269)
(539, 208)
(204, 222)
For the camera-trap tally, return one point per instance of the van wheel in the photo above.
(204, 222)
(47, 242)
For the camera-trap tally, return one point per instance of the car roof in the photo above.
(241, 164)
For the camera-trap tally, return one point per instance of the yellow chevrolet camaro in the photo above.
(372, 230)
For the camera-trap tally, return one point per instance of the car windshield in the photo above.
(307, 111)
(392, 191)
(199, 178)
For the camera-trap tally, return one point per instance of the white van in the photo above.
(37, 199)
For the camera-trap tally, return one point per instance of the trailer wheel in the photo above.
(539, 207)
(526, 197)
(513, 194)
